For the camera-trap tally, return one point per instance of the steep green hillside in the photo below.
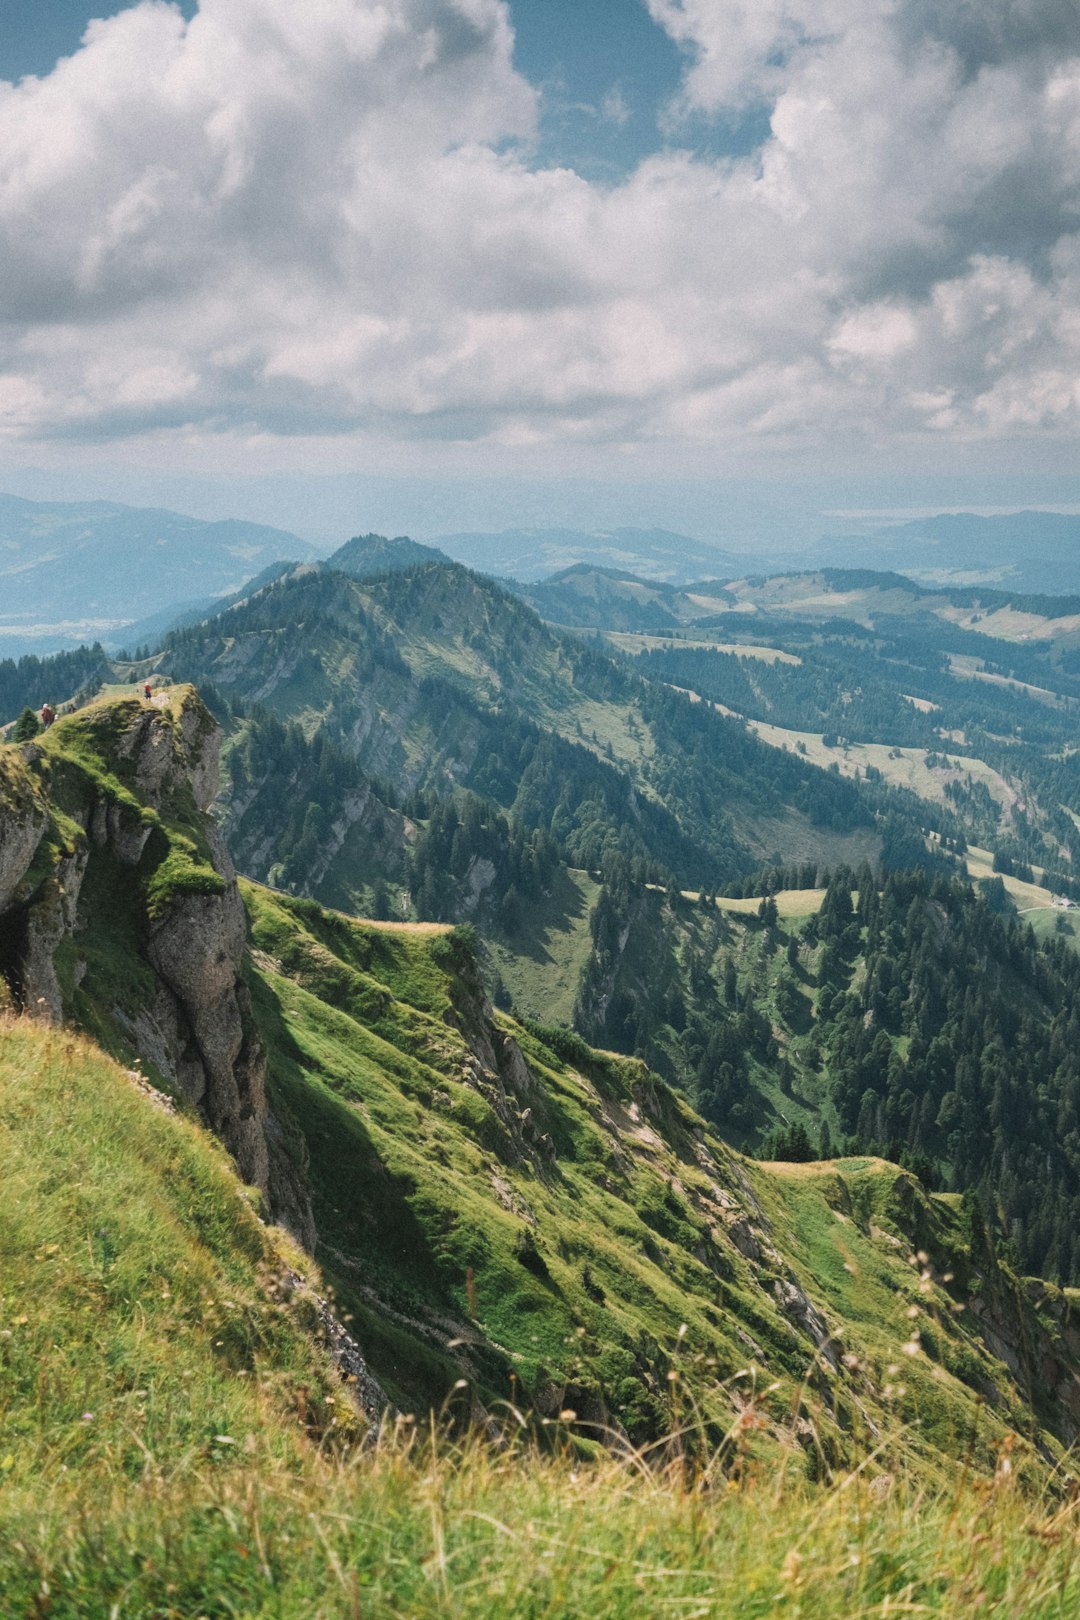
(175, 1441)
(494, 1203)
(147, 1317)
(543, 1217)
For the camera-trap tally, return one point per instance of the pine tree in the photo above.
(26, 726)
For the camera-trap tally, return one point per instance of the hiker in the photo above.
(48, 715)
(147, 691)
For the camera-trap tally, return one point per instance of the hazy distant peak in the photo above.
(74, 571)
(531, 555)
(367, 554)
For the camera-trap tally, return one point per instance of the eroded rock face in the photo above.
(196, 949)
(22, 826)
(168, 751)
(195, 1024)
(125, 833)
(50, 922)
(795, 1305)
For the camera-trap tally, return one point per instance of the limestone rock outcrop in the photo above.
(22, 827)
(135, 790)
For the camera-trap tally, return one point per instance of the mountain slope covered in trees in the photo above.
(438, 680)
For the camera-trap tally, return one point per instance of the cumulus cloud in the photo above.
(323, 218)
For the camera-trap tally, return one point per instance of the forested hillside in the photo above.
(435, 681)
(907, 1018)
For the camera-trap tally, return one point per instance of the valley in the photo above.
(560, 1029)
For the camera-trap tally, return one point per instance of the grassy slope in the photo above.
(425, 1180)
(900, 767)
(452, 1532)
(158, 1410)
(138, 1317)
(541, 966)
(809, 596)
(633, 642)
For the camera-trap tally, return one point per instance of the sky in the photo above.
(601, 257)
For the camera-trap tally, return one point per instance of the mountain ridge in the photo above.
(72, 571)
(499, 1154)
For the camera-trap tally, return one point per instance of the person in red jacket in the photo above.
(48, 715)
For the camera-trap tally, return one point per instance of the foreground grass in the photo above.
(168, 1449)
(146, 1315)
(175, 1443)
(434, 1529)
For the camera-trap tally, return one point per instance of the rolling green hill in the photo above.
(607, 598)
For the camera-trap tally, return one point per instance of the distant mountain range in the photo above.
(533, 554)
(1028, 551)
(76, 572)
(72, 573)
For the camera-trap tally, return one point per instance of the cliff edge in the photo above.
(105, 819)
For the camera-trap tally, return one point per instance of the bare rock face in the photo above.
(49, 922)
(22, 825)
(195, 1025)
(196, 949)
(171, 750)
(795, 1305)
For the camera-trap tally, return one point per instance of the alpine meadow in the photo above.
(539, 810)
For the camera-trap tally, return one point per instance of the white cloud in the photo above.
(320, 218)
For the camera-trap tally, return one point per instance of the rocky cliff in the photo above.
(119, 907)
